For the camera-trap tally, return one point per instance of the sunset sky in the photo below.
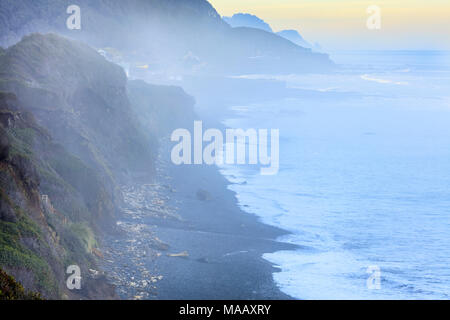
(335, 24)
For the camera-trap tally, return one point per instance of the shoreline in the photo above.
(184, 237)
(225, 244)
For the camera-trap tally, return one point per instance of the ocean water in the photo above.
(364, 177)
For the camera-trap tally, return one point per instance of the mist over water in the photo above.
(364, 177)
(113, 115)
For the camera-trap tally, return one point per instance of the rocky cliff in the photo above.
(81, 99)
(70, 136)
(45, 220)
(161, 109)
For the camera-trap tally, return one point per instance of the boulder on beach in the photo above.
(203, 195)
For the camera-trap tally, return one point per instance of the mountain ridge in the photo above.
(162, 32)
(247, 20)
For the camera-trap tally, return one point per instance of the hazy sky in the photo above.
(341, 24)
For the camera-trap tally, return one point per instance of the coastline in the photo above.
(197, 244)
(225, 244)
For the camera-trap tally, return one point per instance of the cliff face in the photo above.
(161, 109)
(81, 99)
(169, 34)
(36, 240)
(69, 138)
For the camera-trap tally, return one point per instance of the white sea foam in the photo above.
(353, 199)
(384, 81)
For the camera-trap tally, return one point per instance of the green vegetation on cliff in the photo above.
(12, 290)
(39, 240)
(30, 233)
(72, 131)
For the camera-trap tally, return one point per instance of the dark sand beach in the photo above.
(185, 237)
(225, 244)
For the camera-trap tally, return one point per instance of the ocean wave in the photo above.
(384, 81)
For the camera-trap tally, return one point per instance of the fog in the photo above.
(154, 151)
